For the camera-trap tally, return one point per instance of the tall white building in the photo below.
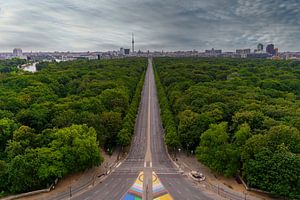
(122, 51)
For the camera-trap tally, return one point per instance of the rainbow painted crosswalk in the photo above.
(159, 192)
(136, 190)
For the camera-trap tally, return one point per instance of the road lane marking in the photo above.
(118, 164)
(147, 184)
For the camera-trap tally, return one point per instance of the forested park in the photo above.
(10, 65)
(54, 122)
(239, 116)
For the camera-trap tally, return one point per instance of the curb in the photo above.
(27, 194)
(176, 165)
(91, 183)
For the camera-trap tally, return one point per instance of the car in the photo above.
(197, 176)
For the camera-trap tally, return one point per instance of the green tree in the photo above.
(51, 165)
(22, 173)
(172, 139)
(284, 135)
(79, 147)
(277, 172)
(253, 118)
(7, 127)
(115, 100)
(111, 123)
(3, 175)
(216, 152)
(243, 134)
(37, 116)
(64, 118)
(187, 129)
(124, 137)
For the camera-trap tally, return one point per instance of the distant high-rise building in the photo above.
(126, 51)
(132, 43)
(276, 51)
(270, 49)
(213, 51)
(258, 55)
(17, 52)
(122, 51)
(260, 47)
(243, 51)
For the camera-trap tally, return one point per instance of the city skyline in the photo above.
(168, 25)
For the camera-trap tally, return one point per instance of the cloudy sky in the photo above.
(81, 25)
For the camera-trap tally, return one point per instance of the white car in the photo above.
(197, 176)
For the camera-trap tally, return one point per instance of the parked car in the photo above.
(197, 176)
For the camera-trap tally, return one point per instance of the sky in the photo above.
(169, 25)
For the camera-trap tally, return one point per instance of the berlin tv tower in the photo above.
(132, 43)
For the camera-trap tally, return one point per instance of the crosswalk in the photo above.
(135, 192)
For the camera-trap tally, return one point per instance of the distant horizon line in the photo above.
(116, 50)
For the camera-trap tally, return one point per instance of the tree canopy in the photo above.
(53, 122)
(240, 115)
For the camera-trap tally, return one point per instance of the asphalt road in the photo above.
(177, 185)
(139, 158)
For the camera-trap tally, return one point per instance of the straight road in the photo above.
(119, 181)
(177, 185)
(147, 153)
(147, 183)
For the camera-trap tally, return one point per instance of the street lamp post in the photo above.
(70, 192)
(187, 148)
(94, 177)
(178, 153)
(245, 195)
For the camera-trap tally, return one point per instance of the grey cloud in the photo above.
(170, 24)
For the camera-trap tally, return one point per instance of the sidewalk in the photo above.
(79, 181)
(225, 187)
